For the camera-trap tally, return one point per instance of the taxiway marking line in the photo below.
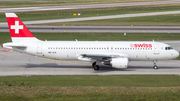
(65, 61)
(7, 52)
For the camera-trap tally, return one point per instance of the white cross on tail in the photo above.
(16, 27)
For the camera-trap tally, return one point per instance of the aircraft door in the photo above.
(156, 49)
(39, 49)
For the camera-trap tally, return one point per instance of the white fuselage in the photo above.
(70, 50)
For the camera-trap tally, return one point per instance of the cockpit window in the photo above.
(168, 48)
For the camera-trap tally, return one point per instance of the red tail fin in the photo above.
(17, 29)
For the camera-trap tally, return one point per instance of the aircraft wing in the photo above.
(99, 55)
(90, 57)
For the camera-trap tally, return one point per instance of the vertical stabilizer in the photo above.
(19, 32)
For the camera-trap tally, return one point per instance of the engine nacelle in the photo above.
(119, 62)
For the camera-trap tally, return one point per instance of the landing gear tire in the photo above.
(155, 67)
(96, 67)
(93, 64)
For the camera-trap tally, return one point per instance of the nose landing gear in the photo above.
(155, 66)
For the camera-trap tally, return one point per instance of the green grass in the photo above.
(99, 88)
(60, 14)
(160, 20)
(108, 36)
(92, 81)
(59, 2)
(5, 36)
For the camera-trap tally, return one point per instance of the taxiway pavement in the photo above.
(65, 7)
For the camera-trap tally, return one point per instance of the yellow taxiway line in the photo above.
(65, 62)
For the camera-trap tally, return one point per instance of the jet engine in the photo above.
(118, 62)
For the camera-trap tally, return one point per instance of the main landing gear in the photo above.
(96, 67)
(155, 66)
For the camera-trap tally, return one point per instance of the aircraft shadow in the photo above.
(102, 67)
(53, 65)
(151, 67)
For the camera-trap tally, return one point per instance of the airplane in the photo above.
(117, 54)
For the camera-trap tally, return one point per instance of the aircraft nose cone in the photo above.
(176, 54)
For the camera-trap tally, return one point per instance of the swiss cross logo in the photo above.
(17, 27)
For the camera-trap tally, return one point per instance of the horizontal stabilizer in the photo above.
(5, 45)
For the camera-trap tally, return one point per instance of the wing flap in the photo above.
(96, 55)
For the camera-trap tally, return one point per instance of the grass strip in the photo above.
(100, 88)
(5, 36)
(91, 93)
(61, 14)
(91, 81)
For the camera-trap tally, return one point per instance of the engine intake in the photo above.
(119, 62)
